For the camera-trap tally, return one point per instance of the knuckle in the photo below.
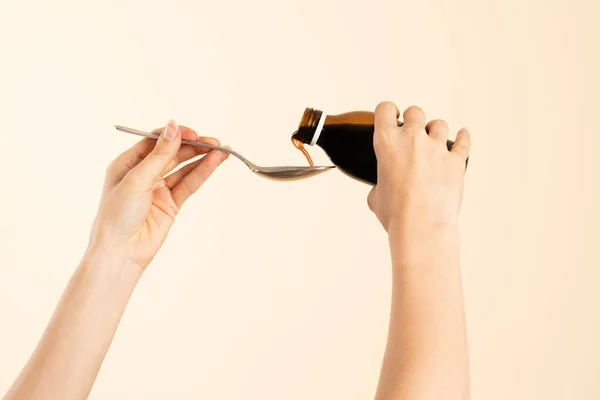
(414, 109)
(177, 159)
(371, 200)
(113, 167)
(381, 132)
(461, 150)
(411, 131)
(384, 138)
(378, 143)
(439, 124)
(463, 144)
(460, 158)
(460, 146)
(161, 152)
(384, 106)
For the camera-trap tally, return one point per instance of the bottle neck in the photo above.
(311, 126)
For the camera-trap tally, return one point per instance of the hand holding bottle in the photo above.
(419, 180)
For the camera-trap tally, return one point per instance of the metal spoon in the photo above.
(276, 173)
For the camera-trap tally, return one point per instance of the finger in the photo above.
(187, 152)
(462, 145)
(127, 160)
(190, 178)
(437, 129)
(414, 117)
(386, 115)
(186, 133)
(177, 176)
(149, 169)
(133, 156)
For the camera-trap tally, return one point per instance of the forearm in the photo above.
(426, 355)
(69, 355)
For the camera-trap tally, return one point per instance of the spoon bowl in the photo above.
(283, 173)
(290, 173)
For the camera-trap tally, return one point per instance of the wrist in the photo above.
(112, 259)
(419, 223)
(424, 236)
(424, 243)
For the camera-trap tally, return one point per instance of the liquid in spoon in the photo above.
(300, 146)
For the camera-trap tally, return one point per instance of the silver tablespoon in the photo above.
(277, 173)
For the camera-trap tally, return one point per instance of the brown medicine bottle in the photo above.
(347, 139)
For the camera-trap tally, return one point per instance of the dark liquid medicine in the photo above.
(347, 139)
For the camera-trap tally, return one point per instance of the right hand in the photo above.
(419, 180)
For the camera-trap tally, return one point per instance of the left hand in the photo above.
(139, 204)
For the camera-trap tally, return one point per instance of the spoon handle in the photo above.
(192, 143)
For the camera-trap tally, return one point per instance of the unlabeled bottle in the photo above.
(347, 139)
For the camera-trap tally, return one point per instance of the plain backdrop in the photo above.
(269, 290)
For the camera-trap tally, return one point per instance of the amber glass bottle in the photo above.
(347, 139)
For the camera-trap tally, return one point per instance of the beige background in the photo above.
(281, 291)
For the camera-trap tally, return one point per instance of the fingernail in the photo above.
(465, 130)
(170, 131)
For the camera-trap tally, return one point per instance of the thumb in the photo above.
(150, 168)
